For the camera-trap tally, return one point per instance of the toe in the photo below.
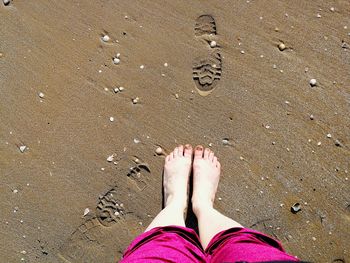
(176, 152)
(218, 165)
(198, 153)
(188, 150)
(206, 153)
(211, 156)
(216, 162)
(170, 156)
(181, 150)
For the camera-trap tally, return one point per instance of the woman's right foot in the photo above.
(206, 176)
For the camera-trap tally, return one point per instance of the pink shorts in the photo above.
(181, 244)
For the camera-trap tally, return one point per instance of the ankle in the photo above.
(175, 203)
(202, 206)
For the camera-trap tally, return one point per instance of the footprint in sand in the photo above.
(207, 69)
(137, 174)
(96, 238)
(109, 209)
(103, 230)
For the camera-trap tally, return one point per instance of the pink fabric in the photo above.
(181, 244)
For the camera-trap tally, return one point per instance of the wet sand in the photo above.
(280, 140)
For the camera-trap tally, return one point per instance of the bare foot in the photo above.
(206, 176)
(177, 170)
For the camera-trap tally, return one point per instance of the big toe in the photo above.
(188, 150)
(198, 153)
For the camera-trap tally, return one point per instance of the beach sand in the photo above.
(280, 140)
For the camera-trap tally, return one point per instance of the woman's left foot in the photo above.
(177, 170)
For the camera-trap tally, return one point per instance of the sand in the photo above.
(274, 154)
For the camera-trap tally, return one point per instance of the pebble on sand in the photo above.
(312, 117)
(213, 44)
(105, 38)
(116, 61)
(22, 148)
(6, 2)
(281, 46)
(329, 135)
(111, 119)
(313, 82)
(41, 95)
(159, 150)
(165, 64)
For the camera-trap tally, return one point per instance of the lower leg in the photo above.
(170, 215)
(175, 182)
(211, 222)
(206, 176)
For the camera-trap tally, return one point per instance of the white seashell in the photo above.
(213, 44)
(86, 211)
(116, 61)
(110, 158)
(105, 38)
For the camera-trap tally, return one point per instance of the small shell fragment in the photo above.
(329, 135)
(225, 141)
(135, 100)
(116, 61)
(22, 148)
(86, 211)
(295, 208)
(110, 158)
(41, 95)
(338, 143)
